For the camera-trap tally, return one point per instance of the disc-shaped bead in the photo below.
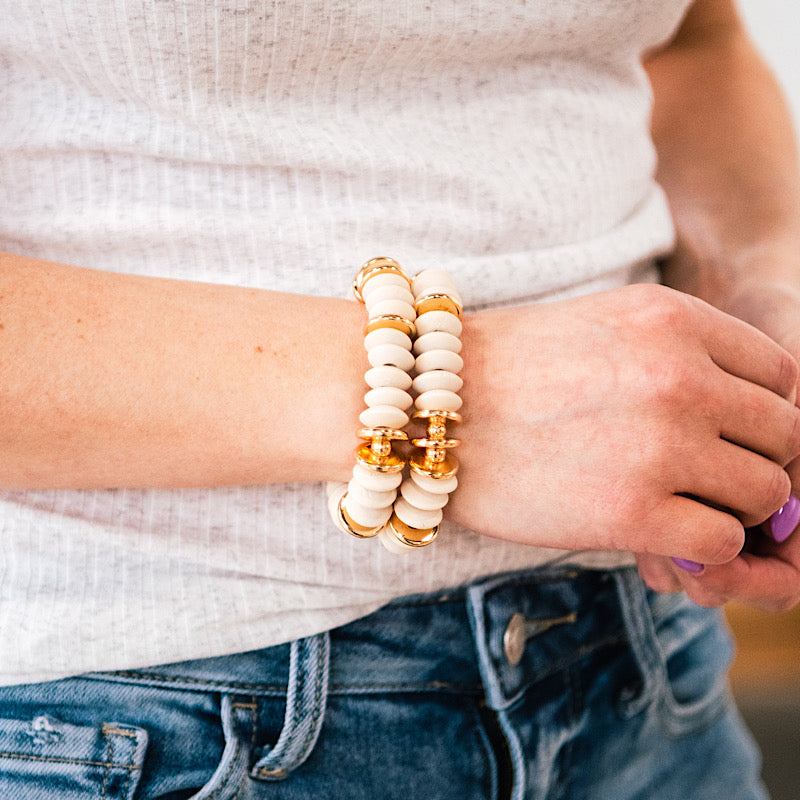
(380, 281)
(397, 307)
(364, 515)
(389, 293)
(383, 417)
(439, 359)
(437, 379)
(431, 277)
(437, 340)
(439, 290)
(369, 498)
(376, 481)
(390, 541)
(388, 396)
(386, 336)
(439, 321)
(419, 498)
(437, 399)
(434, 485)
(416, 517)
(389, 376)
(393, 355)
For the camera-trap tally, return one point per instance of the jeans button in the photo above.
(514, 639)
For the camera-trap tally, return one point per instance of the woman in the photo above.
(173, 405)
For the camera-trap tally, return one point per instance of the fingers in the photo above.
(732, 478)
(746, 352)
(761, 421)
(695, 531)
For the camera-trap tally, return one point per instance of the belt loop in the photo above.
(305, 709)
(641, 635)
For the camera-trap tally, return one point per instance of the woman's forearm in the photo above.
(116, 380)
(727, 159)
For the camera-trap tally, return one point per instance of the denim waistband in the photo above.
(466, 639)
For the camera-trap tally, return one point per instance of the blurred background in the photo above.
(766, 674)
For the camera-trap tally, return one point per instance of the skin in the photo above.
(670, 439)
(729, 165)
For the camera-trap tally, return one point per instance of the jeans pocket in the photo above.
(43, 758)
(695, 650)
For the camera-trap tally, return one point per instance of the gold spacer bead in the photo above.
(395, 321)
(353, 528)
(373, 267)
(390, 463)
(437, 302)
(391, 434)
(437, 416)
(413, 537)
(438, 470)
(436, 444)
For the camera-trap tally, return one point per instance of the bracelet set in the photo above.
(414, 327)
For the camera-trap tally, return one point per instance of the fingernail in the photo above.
(690, 566)
(785, 519)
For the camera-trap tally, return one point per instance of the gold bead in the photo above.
(430, 415)
(438, 470)
(373, 267)
(436, 444)
(412, 537)
(390, 463)
(437, 302)
(395, 321)
(353, 528)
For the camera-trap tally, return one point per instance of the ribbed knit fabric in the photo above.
(279, 145)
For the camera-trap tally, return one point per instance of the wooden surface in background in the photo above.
(768, 649)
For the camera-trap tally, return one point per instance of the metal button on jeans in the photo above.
(519, 630)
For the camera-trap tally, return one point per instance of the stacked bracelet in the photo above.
(432, 474)
(423, 314)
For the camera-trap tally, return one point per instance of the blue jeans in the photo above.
(555, 683)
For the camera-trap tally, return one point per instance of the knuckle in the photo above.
(777, 490)
(725, 543)
(787, 374)
(793, 439)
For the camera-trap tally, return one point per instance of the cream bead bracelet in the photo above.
(413, 324)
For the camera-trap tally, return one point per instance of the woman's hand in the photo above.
(637, 419)
(767, 572)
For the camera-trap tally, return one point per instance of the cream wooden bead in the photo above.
(439, 359)
(376, 481)
(437, 340)
(437, 379)
(388, 396)
(416, 517)
(434, 485)
(393, 355)
(397, 307)
(364, 515)
(386, 336)
(431, 277)
(389, 293)
(431, 291)
(439, 321)
(438, 400)
(421, 499)
(369, 498)
(383, 417)
(388, 376)
(380, 281)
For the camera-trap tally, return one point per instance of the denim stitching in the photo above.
(64, 760)
(110, 743)
(155, 676)
(233, 762)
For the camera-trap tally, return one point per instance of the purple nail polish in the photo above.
(689, 566)
(785, 519)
